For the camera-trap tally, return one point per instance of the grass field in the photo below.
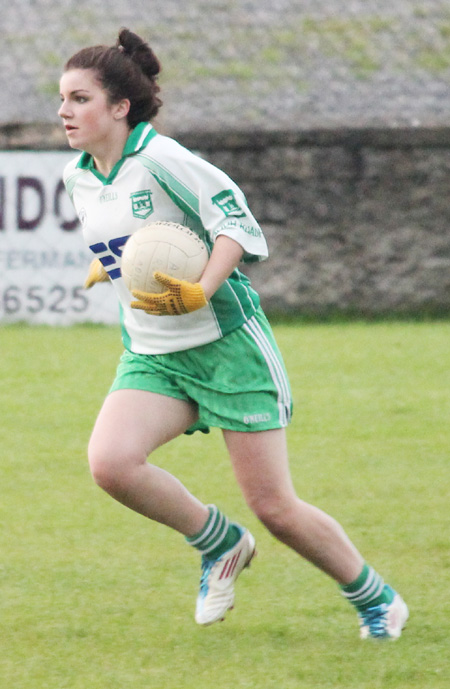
(95, 597)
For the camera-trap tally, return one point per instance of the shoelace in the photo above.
(375, 619)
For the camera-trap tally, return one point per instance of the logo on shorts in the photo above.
(256, 418)
(142, 204)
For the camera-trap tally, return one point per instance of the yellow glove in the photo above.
(180, 297)
(96, 274)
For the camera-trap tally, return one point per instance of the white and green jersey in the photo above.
(158, 179)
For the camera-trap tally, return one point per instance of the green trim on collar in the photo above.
(137, 139)
(85, 162)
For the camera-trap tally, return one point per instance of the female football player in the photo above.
(196, 355)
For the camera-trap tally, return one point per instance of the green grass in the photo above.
(95, 597)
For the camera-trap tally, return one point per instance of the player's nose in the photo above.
(64, 110)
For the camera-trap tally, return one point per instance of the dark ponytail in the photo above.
(127, 70)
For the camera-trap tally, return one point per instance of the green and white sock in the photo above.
(367, 590)
(217, 536)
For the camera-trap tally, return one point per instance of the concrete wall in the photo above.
(357, 221)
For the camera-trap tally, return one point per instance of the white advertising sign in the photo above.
(43, 259)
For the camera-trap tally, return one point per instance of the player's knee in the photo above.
(107, 470)
(102, 472)
(274, 512)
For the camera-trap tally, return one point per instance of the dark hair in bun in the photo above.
(128, 70)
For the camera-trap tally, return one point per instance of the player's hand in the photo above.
(180, 297)
(96, 274)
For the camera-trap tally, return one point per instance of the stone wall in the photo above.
(357, 221)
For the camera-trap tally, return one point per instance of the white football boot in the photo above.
(384, 621)
(216, 594)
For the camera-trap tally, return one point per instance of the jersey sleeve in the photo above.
(206, 194)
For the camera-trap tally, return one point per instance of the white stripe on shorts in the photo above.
(276, 369)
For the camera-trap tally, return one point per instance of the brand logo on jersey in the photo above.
(142, 204)
(227, 203)
(108, 196)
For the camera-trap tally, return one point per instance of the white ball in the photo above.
(165, 246)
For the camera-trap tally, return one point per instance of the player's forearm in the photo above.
(225, 257)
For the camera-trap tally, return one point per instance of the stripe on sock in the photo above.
(213, 533)
(370, 587)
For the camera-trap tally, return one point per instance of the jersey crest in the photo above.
(228, 204)
(142, 204)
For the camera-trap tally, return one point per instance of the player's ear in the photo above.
(121, 109)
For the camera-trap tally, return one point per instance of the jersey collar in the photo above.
(137, 139)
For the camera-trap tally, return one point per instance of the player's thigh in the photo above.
(133, 423)
(260, 464)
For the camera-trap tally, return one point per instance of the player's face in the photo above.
(87, 114)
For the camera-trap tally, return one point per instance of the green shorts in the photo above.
(238, 382)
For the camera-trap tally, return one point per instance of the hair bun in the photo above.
(139, 51)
